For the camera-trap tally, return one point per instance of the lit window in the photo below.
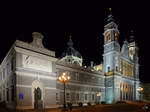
(108, 37)
(116, 36)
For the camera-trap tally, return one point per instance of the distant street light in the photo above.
(140, 90)
(64, 78)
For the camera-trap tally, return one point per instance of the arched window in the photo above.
(108, 37)
(108, 68)
(116, 68)
(116, 36)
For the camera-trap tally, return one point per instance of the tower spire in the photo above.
(110, 16)
(70, 42)
(131, 36)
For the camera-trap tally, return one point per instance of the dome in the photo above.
(70, 51)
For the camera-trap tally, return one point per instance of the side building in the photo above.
(29, 77)
(28, 69)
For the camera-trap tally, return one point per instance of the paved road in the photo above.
(129, 107)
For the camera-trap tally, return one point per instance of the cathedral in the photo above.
(29, 73)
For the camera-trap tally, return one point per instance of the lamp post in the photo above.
(64, 78)
(140, 89)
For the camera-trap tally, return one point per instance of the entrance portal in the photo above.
(37, 95)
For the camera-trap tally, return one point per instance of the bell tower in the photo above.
(111, 59)
(111, 45)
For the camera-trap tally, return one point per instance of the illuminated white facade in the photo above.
(29, 74)
(121, 66)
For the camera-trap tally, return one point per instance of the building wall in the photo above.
(82, 87)
(34, 70)
(7, 79)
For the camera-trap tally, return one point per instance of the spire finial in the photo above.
(70, 43)
(110, 17)
(131, 35)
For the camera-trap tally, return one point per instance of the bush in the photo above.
(80, 104)
(103, 102)
(89, 103)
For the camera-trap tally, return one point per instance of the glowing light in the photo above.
(59, 78)
(64, 73)
(140, 89)
(99, 94)
(64, 77)
(68, 77)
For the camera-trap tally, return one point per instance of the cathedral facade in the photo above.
(29, 73)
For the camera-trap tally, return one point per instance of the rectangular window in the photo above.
(125, 68)
(85, 96)
(131, 71)
(56, 96)
(0, 96)
(6, 72)
(12, 64)
(12, 94)
(7, 94)
(7, 68)
(68, 96)
(92, 96)
(4, 95)
(3, 74)
(77, 96)
(121, 67)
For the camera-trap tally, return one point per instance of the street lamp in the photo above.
(140, 89)
(64, 78)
